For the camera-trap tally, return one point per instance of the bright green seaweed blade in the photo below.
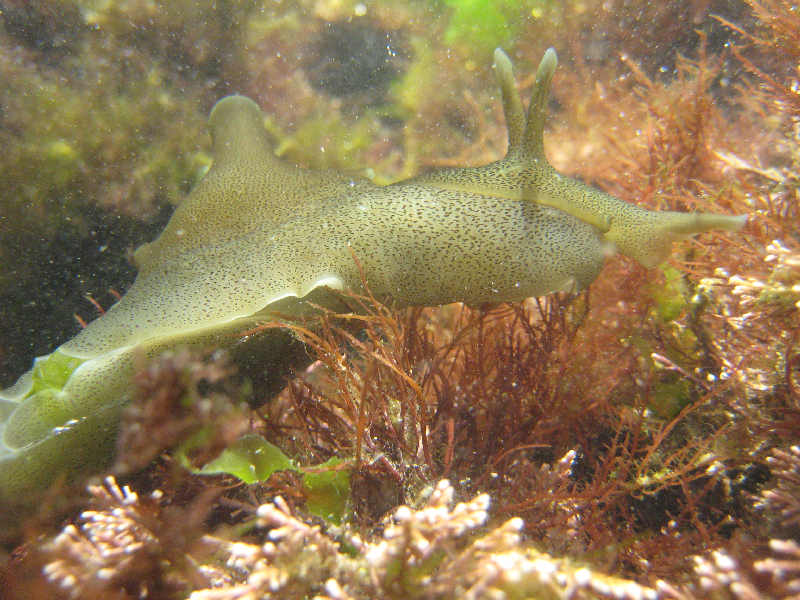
(328, 490)
(251, 458)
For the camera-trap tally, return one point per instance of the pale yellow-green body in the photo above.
(259, 236)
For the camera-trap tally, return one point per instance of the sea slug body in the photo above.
(259, 236)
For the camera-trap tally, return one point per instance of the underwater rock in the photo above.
(260, 240)
(46, 26)
(350, 57)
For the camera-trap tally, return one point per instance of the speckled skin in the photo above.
(258, 235)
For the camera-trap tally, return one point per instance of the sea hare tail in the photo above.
(647, 236)
(691, 223)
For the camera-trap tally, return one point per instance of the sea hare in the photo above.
(259, 237)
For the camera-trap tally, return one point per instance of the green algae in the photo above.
(487, 24)
(253, 459)
(330, 143)
(670, 296)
